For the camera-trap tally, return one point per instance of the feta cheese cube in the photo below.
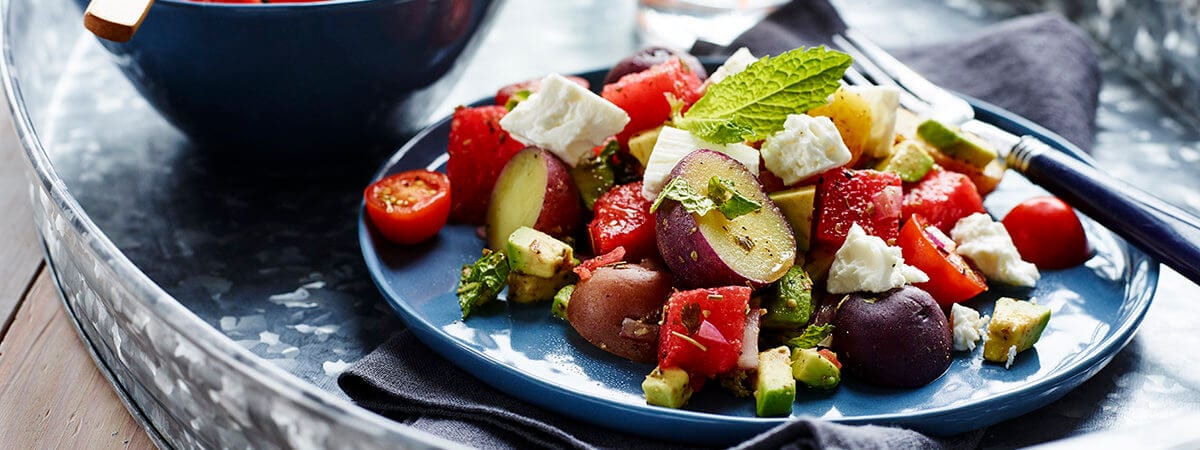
(865, 263)
(884, 101)
(807, 146)
(966, 326)
(565, 119)
(673, 144)
(737, 62)
(987, 244)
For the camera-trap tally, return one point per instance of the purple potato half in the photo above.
(900, 338)
(710, 251)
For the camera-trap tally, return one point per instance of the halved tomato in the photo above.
(951, 279)
(409, 207)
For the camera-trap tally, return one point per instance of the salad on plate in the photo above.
(762, 229)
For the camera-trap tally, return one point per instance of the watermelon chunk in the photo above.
(703, 330)
(478, 150)
(870, 198)
(943, 197)
(643, 95)
(623, 219)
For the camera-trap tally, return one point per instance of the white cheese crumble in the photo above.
(967, 327)
(865, 263)
(807, 146)
(673, 144)
(884, 101)
(737, 62)
(987, 244)
(1012, 354)
(565, 119)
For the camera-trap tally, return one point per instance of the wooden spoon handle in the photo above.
(115, 20)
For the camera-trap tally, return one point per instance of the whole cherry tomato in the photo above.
(1047, 233)
(409, 207)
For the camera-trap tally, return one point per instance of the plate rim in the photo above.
(532, 389)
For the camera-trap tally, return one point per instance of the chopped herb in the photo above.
(516, 98)
(729, 201)
(689, 317)
(690, 340)
(811, 336)
(679, 190)
(482, 281)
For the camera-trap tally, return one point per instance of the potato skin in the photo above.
(689, 250)
(561, 210)
(613, 293)
(900, 338)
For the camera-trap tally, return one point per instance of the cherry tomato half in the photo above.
(951, 279)
(409, 207)
(1047, 233)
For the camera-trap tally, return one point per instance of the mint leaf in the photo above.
(679, 190)
(482, 281)
(753, 103)
(812, 336)
(729, 201)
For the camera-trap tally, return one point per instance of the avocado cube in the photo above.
(1015, 323)
(909, 160)
(536, 253)
(667, 387)
(526, 288)
(797, 207)
(642, 143)
(789, 303)
(559, 307)
(956, 144)
(813, 370)
(775, 389)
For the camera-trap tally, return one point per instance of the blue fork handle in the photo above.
(1165, 232)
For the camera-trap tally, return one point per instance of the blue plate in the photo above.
(525, 352)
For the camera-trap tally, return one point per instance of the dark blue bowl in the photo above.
(300, 81)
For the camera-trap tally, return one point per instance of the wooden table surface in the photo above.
(51, 393)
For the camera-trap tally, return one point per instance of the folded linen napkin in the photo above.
(1050, 76)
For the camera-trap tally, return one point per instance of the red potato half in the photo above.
(534, 190)
(710, 251)
(601, 306)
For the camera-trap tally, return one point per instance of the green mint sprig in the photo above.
(753, 103)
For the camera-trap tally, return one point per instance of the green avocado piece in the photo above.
(955, 144)
(526, 288)
(789, 303)
(1015, 323)
(559, 307)
(536, 253)
(813, 370)
(797, 207)
(667, 387)
(909, 160)
(775, 389)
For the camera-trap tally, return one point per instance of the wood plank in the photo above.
(51, 393)
(21, 253)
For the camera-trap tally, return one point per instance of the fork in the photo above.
(1165, 232)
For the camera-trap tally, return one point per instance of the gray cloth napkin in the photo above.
(1040, 67)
